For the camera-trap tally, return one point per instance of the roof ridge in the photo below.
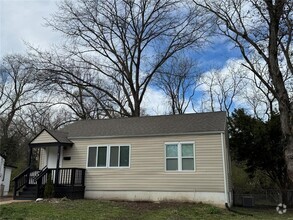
(150, 116)
(149, 125)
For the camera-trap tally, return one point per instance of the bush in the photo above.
(49, 188)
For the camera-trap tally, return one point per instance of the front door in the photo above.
(52, 157)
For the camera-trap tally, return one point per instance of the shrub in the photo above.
(49, 188)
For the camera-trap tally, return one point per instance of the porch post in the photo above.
(58, 164)
(30, 156)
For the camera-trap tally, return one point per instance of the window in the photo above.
(102, 156)
(119, 156)
(187, 156)
(179, 156)
(92, 155)
(108, 156)
(172, 157)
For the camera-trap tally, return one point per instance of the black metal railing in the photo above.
(71, 176)
(21, 180)
(62, 177)
(40, 173)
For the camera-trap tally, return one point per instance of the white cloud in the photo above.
(23, 21)
(155, 102)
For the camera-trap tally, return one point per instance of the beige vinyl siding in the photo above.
(147, 165)
(44, 137)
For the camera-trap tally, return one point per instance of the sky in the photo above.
(23, 21)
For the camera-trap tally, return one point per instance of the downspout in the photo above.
(224, 170)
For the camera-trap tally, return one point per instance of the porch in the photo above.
(67, 182)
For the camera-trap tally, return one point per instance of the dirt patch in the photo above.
(6, 198)
(9, 199)
(148, 206)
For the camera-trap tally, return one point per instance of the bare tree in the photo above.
(120, 45)
(178, 79)
(24, 108)
(34, 118)
(73, 96)
(262, 27)
(259, 99)
(17, 92)
(222, 88)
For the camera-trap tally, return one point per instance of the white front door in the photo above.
(52, 157)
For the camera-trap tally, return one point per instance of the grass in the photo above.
(95, 209)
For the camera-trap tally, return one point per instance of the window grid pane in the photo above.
(92, 156)
(187, 164)
(172, 164)
(114, 156)
(187, 150)
(102, 156)
(124, 156)
(171, 150)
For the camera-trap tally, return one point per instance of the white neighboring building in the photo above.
(5, 174)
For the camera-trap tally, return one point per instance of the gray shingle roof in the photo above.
(60, 136)
(149, 125)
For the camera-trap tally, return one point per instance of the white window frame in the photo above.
(179, 157)
(108, 156)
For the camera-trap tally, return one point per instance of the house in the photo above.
(5, 175)
(153, 158)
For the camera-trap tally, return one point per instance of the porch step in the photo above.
(28, 193)
(25, 198)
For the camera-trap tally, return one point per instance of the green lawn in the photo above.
(94, 209)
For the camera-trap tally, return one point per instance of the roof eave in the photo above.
(50, 144)
(147, 135)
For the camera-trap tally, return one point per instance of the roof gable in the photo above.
(49, 136)
(148, 126)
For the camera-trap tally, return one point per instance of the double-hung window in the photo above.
(108, 156)
(180, 156)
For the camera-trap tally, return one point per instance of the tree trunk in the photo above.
(289, 157)
(281, 94)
